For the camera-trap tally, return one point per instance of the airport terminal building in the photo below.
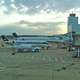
(72, 26)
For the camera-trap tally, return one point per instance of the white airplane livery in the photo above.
(6, 40)
(51, 39)
(34, 42)
(28, 38)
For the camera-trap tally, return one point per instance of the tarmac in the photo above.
(38, 65)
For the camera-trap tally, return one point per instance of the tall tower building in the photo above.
(72, 19)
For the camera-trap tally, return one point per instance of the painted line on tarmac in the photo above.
(2, 65)
(19, 68)
(31, 66)
(47, 64)
(22, 56)
(62, 60)
(37, 57)
(17, 56)
(8, 55)
(13, 56)
(49, 59)
(56, 59)
(5, 69)
(4, 55)
(65, 59)
(43, 58)
(32, 57)
(27, 57)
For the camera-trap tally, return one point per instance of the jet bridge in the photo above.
(76, 43)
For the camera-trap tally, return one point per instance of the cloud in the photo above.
(35, 6)
(12, 5)
(12, 0)
(41, 17)
(1, 2)
(36, 11)
(30, 28)
(24, 9)
(36, 16)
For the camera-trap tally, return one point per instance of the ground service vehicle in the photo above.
(26, 47)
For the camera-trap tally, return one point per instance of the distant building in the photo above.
(73, 25)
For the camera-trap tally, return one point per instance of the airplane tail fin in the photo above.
(15, 35)
(4, 38)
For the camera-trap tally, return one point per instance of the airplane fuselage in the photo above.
(37, 43)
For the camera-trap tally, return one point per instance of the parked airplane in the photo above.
(55, 41)
(28, 38)
(33, 42)
(6, 40)
(70, 39)
(51, 39)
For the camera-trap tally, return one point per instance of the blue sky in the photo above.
(36, 17)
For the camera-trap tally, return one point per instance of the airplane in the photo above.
(33, 42)
(54, 38)
(70, 39)
(28, 38)
(55, 41)
(51, 39)
(6, 40)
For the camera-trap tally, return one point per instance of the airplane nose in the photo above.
(50, 44)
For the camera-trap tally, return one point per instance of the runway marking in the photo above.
(18, 68)
(27, 57)
(49, 59)
(43, 58)
(62, 60)
(8, 55)
(17, 56)
(32, 57)
(46, 64)
(65, 59)
(6, 69)
(13, 56)
(56, 59)
(22, 56)
(37, 57)
(4, 55)
(2, 65)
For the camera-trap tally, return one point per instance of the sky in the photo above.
(36, 17)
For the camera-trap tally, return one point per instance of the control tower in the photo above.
(72, 20)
